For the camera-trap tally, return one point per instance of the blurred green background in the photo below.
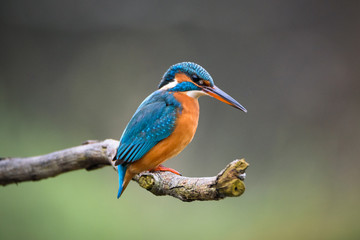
(77, 70)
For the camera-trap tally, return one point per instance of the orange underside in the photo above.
(171, 146)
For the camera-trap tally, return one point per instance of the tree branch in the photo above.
(94, 154)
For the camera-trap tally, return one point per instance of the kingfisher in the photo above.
(166, 121)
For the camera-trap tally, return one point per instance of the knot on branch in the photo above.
(229, 181)
(146, 181)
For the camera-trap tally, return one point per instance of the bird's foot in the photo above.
(161, 168)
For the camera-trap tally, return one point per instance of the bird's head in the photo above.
(193, 79)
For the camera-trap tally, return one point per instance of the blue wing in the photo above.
(153, 121)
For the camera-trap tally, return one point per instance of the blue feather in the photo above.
(121, 172)
(134, 154)
(152, 122)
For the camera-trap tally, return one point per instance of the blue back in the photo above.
(152, 122)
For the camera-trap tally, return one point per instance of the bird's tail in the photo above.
(121, 171)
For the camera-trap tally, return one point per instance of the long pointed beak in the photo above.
(219, 94)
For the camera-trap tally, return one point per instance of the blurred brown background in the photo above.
(77, 70)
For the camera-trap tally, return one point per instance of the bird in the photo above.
(166, 121)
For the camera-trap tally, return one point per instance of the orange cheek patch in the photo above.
(182, 77)
(207, 83)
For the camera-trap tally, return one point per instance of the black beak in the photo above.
(219, 94)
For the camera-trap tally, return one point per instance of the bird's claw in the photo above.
(161, 168)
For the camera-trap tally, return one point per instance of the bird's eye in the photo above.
(201, 82)
(195, 78)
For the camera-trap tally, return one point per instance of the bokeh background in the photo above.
(77, 70)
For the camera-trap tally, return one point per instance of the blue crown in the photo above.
(189, 68)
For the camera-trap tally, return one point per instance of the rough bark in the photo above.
(93, 154)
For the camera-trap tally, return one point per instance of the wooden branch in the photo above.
(94, 154)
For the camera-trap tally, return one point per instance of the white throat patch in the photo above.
(170, 85)
(195, 94)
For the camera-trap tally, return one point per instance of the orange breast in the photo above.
(171, 146)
